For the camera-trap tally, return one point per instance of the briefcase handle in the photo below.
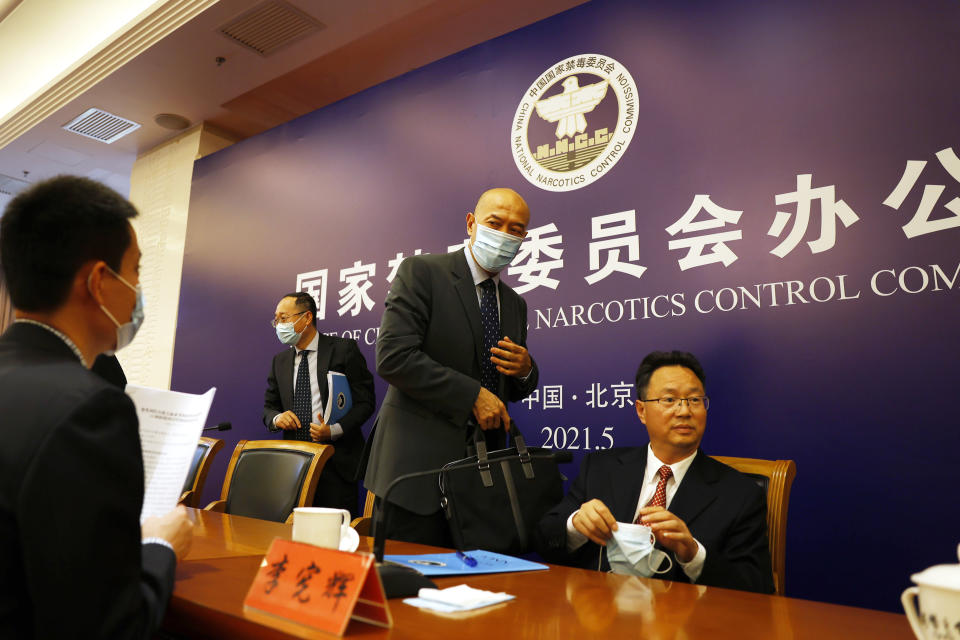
(517, 439)
(483, 462)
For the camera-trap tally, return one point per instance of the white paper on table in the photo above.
(170, 426)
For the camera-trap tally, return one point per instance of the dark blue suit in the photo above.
(71, 488)
(338, 482)
(430, 350)
(725, 511)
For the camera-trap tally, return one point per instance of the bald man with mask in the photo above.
(452, 345)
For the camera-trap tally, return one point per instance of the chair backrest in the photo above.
(266, 479)
(364, 523)
(775, 477)
(199, 467)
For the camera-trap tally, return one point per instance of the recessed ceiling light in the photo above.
(171, 121)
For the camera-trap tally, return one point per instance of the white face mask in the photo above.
(493, 250)
(127, 331)
(631, 552)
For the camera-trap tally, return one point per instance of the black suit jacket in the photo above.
(429, 349)
(71, 488)
(333, 354)
(725, 511)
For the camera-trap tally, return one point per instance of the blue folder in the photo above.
(339, 400)
(448, 564)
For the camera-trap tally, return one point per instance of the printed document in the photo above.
(170, 426)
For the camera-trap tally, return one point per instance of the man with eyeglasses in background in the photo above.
(707, 518)
(297, 393)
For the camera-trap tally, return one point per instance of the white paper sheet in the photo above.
(170, 427)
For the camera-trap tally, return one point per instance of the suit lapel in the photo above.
(696, 492)
(285, 377)
(324, 354)
(509, 312)
(634, 463)
(467, 292)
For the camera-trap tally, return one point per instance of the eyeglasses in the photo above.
(695, 403)
(283, 319)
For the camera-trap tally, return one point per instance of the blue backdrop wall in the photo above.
(771, 185)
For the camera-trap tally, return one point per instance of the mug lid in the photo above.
(946, 576)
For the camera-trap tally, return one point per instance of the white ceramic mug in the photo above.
(938, 592)
(320, 526)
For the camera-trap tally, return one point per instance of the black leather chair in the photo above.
(267, 479)
(203, 457)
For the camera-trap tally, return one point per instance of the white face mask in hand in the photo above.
(631, 551)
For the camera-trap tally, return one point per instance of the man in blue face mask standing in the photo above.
(452, 345)
(297, 394)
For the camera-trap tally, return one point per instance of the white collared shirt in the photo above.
(315, 401)
(651, 477)
(479, 275)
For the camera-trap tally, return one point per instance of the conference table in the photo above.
(560, 602)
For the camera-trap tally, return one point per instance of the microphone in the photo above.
(222, 426)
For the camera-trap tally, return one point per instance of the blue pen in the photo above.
(467, 560)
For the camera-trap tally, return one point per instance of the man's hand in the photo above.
(511, 359)
(670, 531)
(319, 432)
(175, 527)
(287, 421)
(489, 411)
(595, 521)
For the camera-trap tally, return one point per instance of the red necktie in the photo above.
(660, 495)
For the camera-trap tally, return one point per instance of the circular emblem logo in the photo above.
(574, 123)
(341, 400)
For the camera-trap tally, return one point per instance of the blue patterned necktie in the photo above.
(490, 317)
(302, 400)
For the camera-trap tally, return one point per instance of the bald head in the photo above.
(502, 197)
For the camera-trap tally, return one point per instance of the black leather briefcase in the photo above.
(495, 501)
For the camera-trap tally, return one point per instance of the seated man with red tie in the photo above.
(709, 519)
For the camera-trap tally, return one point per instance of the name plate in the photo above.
(300, 587)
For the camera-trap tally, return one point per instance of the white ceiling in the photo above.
(181, 75)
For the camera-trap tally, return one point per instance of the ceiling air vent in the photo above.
(268, 27)
(12, 186)
(100, 125)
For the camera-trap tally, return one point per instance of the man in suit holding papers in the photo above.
(297, 393)
(710, 518)
(75, 561)
(452, 344)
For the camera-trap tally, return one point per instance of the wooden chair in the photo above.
(266, 479)
(207, 449)
(364, 522)
(776, 478)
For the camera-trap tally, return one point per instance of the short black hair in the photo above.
(52, 229)
(657, 359)
(304, 302)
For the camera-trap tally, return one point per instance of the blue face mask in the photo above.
(127, 331)
(287, 334)
(493, 250)
(631, 551)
